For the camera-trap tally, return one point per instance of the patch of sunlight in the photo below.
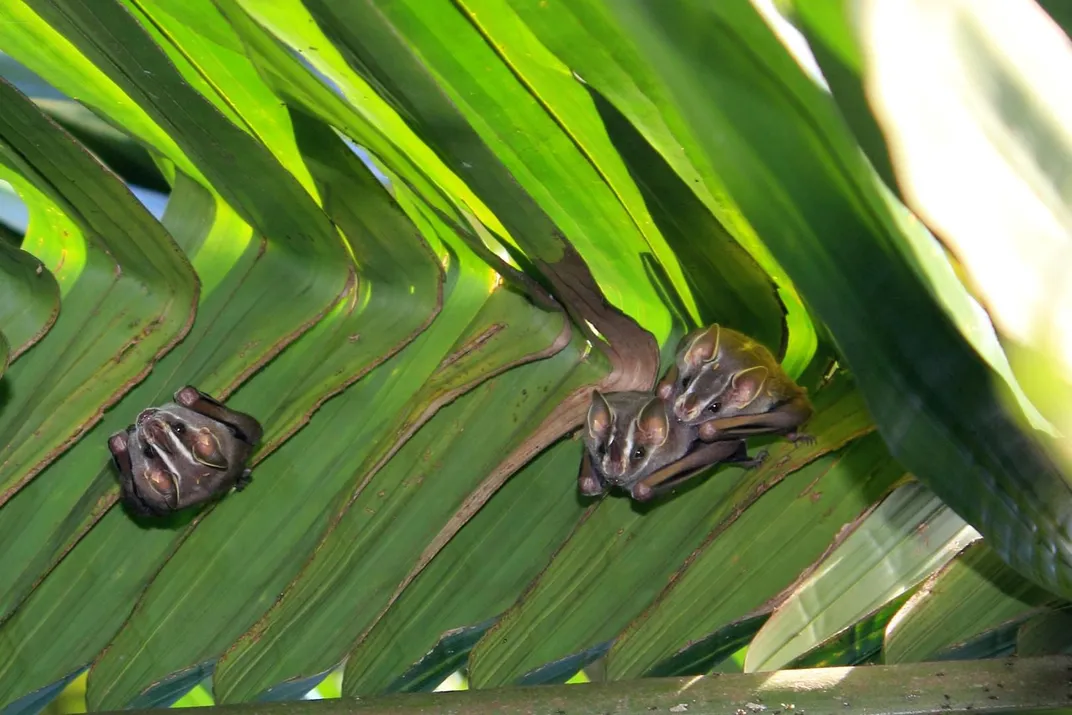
(579, 677)
(454, 681)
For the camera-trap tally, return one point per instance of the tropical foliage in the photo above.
(411, 236)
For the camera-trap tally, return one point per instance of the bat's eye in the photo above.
(639, 453)
(148, 452)
(685, 382)
(714, 407)
(178, 428)
(602, 451)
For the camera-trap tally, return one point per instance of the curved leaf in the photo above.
(831, 35)
(399, 274)
(622, 555)
(367, 117)
(857, 644)
(118, 151)
(716, 652)
(481, 115)
(783, 153)
(742, 571)
(42, 48)
(729, 287)
(29, 299)
(1045, 634)
(354, 570)
(984, 73)
(909, 535)
(583, 34)
(576, 111)
(974, 593)
(125, 270)
(88, 578)
(289, 273)
(478, 575)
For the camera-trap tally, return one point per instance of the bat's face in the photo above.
(626, 433)
(710, 380)
(175, 456)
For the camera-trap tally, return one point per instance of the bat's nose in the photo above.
(144, 416)
(685, 407)
(614, 464)
(156, 432)
(613, 469)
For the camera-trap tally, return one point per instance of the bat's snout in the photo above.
(144, 416)
(686, 408)
(155, 432)
(614, 464)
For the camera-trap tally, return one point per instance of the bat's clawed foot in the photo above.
(798, 438)
(641, 492)
(759, 458)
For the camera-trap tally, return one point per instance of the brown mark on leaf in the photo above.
(472, 345)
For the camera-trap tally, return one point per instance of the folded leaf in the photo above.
(743, 569)
(29, 299)
(129, 291)
(973, 593)
(887, 553)
(785, 155)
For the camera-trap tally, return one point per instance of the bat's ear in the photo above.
(653, 426)
(746, 386)
(599, 416)
(703, 347)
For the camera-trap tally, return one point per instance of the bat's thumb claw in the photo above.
(641, 492)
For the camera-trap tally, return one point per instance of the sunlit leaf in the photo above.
(973, 593)
(786, 156)
(746, 566)
(887, 553)
(29, 299)
(129, 291)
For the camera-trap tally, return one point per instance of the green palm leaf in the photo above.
(411, 237)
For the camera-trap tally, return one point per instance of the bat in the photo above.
(183, 453)
(633, 442)
(729, 386)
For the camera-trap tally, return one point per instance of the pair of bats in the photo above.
(723, 387)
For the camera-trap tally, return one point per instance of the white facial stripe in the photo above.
(178, 446)
(172, 471)
(166, 459)
(630, 440)
(174, 441)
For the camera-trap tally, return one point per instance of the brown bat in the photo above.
(729, 386)
(634, 443)
(183, 453)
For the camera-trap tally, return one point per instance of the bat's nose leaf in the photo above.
(144, 416)
(156, 431)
